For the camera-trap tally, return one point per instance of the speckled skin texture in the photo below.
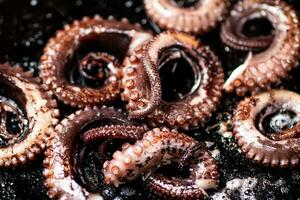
(142, 87)
(59, 176)
(262, 70)
(24, 90)
(197, 19)
(280, 152)
(158, 147)
(26, 26)
(119, 37)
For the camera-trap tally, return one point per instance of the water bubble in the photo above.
(27, 43)
(78, 3)
(227, 49)
(128, 4)
(138, 9)
(34, 2)
(49, 15)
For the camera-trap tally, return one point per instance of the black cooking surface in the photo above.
(25, 27)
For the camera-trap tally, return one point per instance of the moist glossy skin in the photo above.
(281, 150)
(26, 28)
(33, 107)
(118, 38)
(198, 18)
(60, 178)
(132, 132)
(157, 147)
(205, 173)
(142, 86)
(262, 70)
(58, 173)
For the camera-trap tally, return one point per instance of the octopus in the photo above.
(62, 173)
(266, 128)
(101, 124)
(194, 16)
(161, 146)
(144, 91)
(28, 115)
(271, 56)
(82, 64)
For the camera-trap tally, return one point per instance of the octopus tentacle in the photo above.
(141, 69)
(263, 115)
(133, 132)
(155, 89)
(170, 189)
(260, 70)
(232, 29)
(286, 135)
(125, 132)
(197, 18)
(28, 116)
(190, 153)
(205, 173)
(98, 80)
(160, 146)
(59, 170)
(153, 143)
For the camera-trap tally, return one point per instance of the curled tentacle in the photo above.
(197, 17)
(158, 147)
(267, 126)
(205, 176)
(81, 64)
(233, 33)
(186, 107)
(132, 132)
(62, 167)
(281, 48)
(28, 115)
(155, 89)
(191, 153)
